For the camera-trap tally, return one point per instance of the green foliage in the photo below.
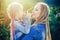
(54, 20)
(4, 32)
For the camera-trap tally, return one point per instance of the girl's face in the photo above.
(16, 14)
(36, 12)
(12, 14)
(19, 14)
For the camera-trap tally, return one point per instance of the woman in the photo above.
(40, 29)
(19, 25)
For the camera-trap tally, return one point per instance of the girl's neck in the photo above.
(19, 19)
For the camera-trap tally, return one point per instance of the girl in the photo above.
(18, 26)
(40, 29)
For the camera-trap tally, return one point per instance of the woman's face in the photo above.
(36, 12)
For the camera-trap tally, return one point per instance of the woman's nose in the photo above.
(32, 15)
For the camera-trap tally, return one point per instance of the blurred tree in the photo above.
(54, 18)
(4, 22)
(4, 32)
(53, 2)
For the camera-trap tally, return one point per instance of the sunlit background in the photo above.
(28, 5)
(54, 16)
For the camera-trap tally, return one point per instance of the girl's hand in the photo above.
(28, 16)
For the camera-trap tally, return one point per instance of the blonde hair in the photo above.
(43, 17)
(16, 7)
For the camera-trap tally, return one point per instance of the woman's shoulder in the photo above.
(41, 24)
(38, 26)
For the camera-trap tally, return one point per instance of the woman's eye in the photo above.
(36, 10)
